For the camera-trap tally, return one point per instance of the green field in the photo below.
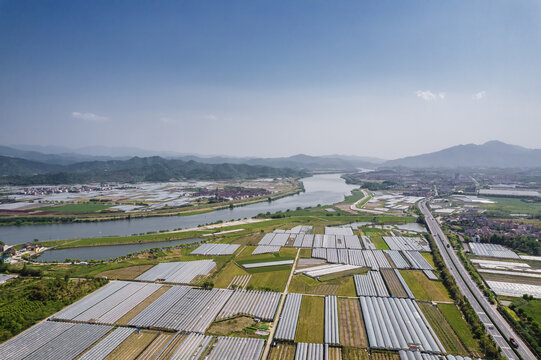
(85, 208)
(311, 316)
(429, 258)
(356, 195)
(223, 278)
(513, 205)
(423, 288)
(342, 286)
(532, 308)
(459, 325)
(443, 329)
(269, 281)
(118, 240)
(379, 242)
(376, 235)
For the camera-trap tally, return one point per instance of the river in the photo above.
(106, 252)
(322, 189)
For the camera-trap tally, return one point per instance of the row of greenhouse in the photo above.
(216, 249)
(260, 304)
(417, 355)
(370, 284)
(397, 324)
(374, 259)
(177, 272)
(51, 340)
(108, 304)
(407, 243)
(332, 330)
(179, 308)
(308, 351)
(287, 325)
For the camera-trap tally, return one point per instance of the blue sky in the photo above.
(271, 78)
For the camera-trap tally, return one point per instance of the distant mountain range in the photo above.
(66, 156)
(27, 165)
(492, 154)
(25, 172)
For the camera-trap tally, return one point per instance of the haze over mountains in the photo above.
(26, 165)
(492, 154)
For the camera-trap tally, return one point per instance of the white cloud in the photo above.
(88, 116)
(480, 95)
(211, 117)
(429, 95)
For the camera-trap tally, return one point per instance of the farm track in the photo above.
(393, 284)
(352, 332)
(443, 330)
(282, 352)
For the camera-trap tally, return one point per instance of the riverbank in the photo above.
(245, 231)
(226, 230)
(64, 218)
(319, 189)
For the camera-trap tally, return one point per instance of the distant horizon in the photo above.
(179, 153)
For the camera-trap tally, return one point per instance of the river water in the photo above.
(323, 189)
(106, 252)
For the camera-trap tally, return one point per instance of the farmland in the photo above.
(194, 292)
(352, 333)
(377, 239)
(269, 280)
(423, 288)
(310, 325)
(223, 278)
(354, 354)
(511, 205)
(343, 286)
(459, 325)
(384, 355)
(80, 208)
(133, 345)
(156, 346)
(127, 273)
(395, 287)
(230, 326)
(442, 328)
(282, 352)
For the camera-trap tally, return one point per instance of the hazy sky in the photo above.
(271, 78)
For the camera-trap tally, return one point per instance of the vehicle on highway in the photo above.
(513, 342)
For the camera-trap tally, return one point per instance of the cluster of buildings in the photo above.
(479, 226)
(421, 182)
(231, 194)
(48, 190)
(9, 254)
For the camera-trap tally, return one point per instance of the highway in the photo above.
(488, 314)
